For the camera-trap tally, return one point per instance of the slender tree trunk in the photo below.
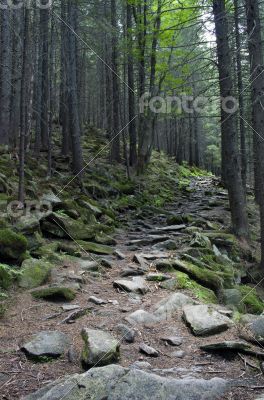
(230, 155)
(257, 89)
(243, 148)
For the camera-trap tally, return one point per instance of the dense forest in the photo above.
(131, 168)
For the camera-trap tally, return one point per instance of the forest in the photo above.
(131, 199)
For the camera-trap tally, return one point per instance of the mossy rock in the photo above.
(34, 273)
(90, 206)
(55, 293)
(61, 226)
(200, 292)
(204, 276)
(200, 240)
(127, 188)
(222, 239)
(101, 238)
(178, 219)
(96, 248)
(13, 246)
(250, 300)
(28, 225)
(69, 248)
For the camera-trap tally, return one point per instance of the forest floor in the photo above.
(25, 316)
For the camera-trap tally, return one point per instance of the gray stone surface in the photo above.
(148, 350)
(127, 333)
(204, 320)
(117, 383)
(142, 317)
(47, 343)
(226, 345)
(100, 348)
(166, 307)
(136, 285)
(254, 331)
(172, 340)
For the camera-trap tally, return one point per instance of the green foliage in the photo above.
(8, 276)
(252, 302)
(203, 294)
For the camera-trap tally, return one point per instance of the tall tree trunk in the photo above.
(44, 37)
(5, 74)
(115, 146)
(240, 86)
(74, 122)
(257, 88)
(230, 155)
(131, 90)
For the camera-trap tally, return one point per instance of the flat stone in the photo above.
(150, 239)
(140, 365)
(136, 285)
(171, 228)
(128, 334)
(172, 340)
(132, 272)
(141, 261)
(204, 320)
(47, 343)
(96, 300)
(86, 265)
(107, 263)
(232, 297)
(167, 245)
(154, 255)
(119, 254)
(100, 348)
(148, 350)
(142, 317)
(170, 284)
(166, 307)
(178, 354)
(226, 345)
(115, 382)
(70, 307)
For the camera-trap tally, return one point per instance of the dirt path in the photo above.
(19, 376)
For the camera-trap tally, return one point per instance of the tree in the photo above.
(231, 170)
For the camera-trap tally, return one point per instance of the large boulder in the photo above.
(13, 246)
(54, 293)
(117, 383)
(62, 226)
(34, 273)
(254, 331)
(100, 348)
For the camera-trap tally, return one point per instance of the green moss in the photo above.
(204, 294)
(54, 293)
(6, 276)
(179, 219)
(251, 301)
(12, 245)
(34, 273)
(95, 247)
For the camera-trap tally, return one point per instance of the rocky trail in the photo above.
(154, 319)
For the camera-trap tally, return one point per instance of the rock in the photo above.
(100, 348)
(142, 317)
(141, 261)
(34, 273)
(116, 383)
(136, 285)
(128, 334)
(119, 255)
(171, 228)
(86, 265)
(172, 340)
(203, 276)
(204, 320)
(13, 246)
(149, 351)
(51, 199)
(157, 277)
(150, 239)
(200, 240)
(167, 245)
(225, 346)
(171, 284)
(64, 227)
(166, 307)
(50, 344)
(106, 263)
(178, 354)
(86, 204)
(154, 256)
(140, 365)
(54, 293)
(96, 247)
(97, 301)
(132, 272)
(254, 331)
(232, 297)
(70, 307)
